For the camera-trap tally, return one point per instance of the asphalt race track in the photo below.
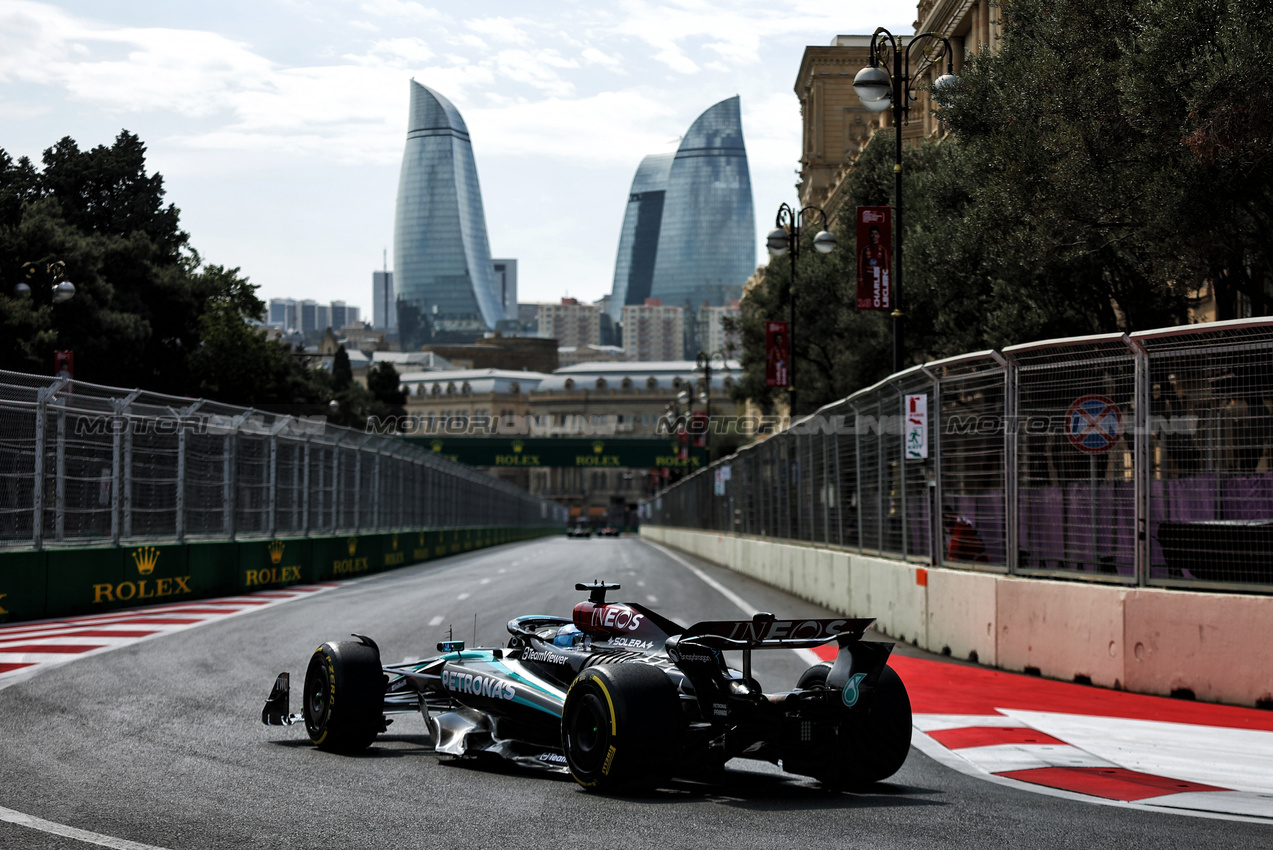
(158, 743)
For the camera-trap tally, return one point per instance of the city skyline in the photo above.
(278, 125)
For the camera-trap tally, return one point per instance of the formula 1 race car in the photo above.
(622, 697)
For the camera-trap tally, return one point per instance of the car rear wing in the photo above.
(764, 631)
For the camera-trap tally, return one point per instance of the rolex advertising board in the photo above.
(274, 563)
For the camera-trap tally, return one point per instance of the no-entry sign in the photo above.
(1093, 423)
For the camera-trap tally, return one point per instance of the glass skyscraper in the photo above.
(706, 244)
(639, 241)
(444, 282)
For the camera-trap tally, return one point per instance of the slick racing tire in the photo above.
(344, 696)
(872, 742)
(621, 727)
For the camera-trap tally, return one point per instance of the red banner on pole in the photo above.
(875, 258)
(777, 354)
(64, 363)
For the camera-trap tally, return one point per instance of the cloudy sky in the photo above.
(278, 125)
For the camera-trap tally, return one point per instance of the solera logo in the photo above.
(145, 558)
(276, 552)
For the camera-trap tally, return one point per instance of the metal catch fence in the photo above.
(1142, 459)
(82, 464)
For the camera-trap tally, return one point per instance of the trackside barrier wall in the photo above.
(1149, 640)
(62, 582)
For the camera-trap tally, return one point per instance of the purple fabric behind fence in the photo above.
(1192, 499)
(1042, 523)
(1248, 497)
(1079, 525)
(920, 540)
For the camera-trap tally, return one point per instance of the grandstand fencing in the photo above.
(82, 464)
(1142, 460)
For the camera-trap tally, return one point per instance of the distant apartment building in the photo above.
(340, 314)
(653, 331)
(283, 314)
(570, 323)
(384, 316)
(711, 329)
(309, 316)
(506, 285)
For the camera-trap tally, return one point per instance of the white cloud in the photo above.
(467, 40)
(538, 69)
(401, 9)
(506, 30)
(605, 129)
(593, 56)
(408, 50)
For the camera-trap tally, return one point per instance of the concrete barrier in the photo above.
(1214, 646)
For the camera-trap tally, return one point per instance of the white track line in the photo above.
(65, 831)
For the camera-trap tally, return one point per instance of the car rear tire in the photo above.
(872, 742)
(344, 696)
(621, 727)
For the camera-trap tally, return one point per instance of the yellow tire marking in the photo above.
(614, 724)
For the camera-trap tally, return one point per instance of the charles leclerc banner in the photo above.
(776, 354)
(875, 258)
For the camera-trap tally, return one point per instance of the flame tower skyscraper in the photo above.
(444, 282)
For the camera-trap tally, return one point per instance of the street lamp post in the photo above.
(46, 284)
(54, 288)
(785, 239)
(704, 365)
(879, 90)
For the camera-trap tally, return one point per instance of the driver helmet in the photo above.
(568, 636)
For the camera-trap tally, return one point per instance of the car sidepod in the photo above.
(501, 706)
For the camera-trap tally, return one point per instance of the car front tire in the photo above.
(344, 696)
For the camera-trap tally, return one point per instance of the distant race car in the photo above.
(579, 531)
(609, 531)
(622, 698)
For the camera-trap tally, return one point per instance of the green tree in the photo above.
(386, 389)
(342, 372)
(147, 313)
